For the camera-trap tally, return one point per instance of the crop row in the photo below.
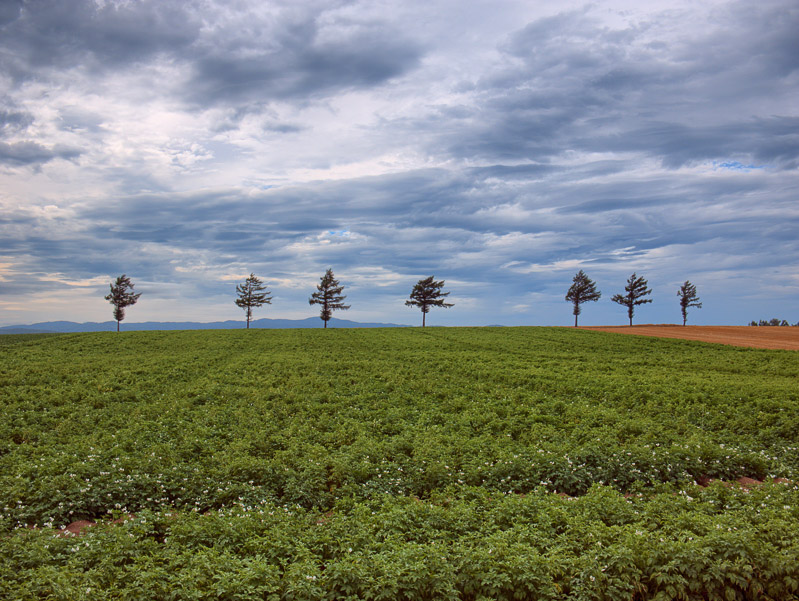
(196, 420)
(61, 489)
(492, 463)
(720, 543)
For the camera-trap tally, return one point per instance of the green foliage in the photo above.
(426, 294)
(582, 290)
(415, 464)
(714, 543)
(122, 296)
(772, 322)
(251, 294)
(635, 291)
(328, 296)
(688, 298)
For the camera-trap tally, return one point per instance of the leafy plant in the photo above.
(454, 463)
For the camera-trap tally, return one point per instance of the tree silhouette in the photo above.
(688, 298)
(122, 296)
(635, 291)
(582, 291)
(426, 294)
(328, 295)
(252, 293)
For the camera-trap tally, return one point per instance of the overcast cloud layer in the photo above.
(500, 146)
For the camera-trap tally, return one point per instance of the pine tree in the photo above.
(252, 293)
(581, 291)
(427, 293)
(688, 298)
(328, 295)
(636, 289)
(122, 296)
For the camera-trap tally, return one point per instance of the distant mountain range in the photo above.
(61, 327)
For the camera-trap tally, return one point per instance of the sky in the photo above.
(499, 146)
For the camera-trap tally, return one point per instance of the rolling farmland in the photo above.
(468, 463)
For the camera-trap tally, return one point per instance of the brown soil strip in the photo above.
(81, 526)
(768, 337)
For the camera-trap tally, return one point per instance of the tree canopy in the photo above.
(582, 290)
(328, 295)
(688, 298)
(427, 294)
(635, 291)
(122, 296)
(252, 293)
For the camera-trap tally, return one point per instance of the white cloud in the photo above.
(501, 147)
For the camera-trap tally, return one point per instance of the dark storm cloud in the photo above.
(9, 11)
(773, 142)
(327, 220)
(16, 152)
(14, 121)
(413, 219)
(573, 84)
(299, 64)
(57, 34)
(217, 220)
(231, 224)
(33, 153)
(510, 172)
(248, 61)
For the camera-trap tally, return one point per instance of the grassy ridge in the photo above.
(356, 428)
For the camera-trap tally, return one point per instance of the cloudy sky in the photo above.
(499, 145)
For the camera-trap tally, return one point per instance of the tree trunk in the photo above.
(117, 325)
(325, 322)
(423, 316)
(575, 321)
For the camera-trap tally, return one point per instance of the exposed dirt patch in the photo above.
(744, 482)
(77, 528)
(81, 526)
(773, 337)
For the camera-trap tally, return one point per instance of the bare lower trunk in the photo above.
(575, 321)
(423, 316)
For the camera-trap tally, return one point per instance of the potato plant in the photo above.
(467, 463)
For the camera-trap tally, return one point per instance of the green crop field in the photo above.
(467, 463)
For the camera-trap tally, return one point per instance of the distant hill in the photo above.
(24, 330)
(53, 327)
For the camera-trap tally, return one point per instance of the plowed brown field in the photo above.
(773, 337)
